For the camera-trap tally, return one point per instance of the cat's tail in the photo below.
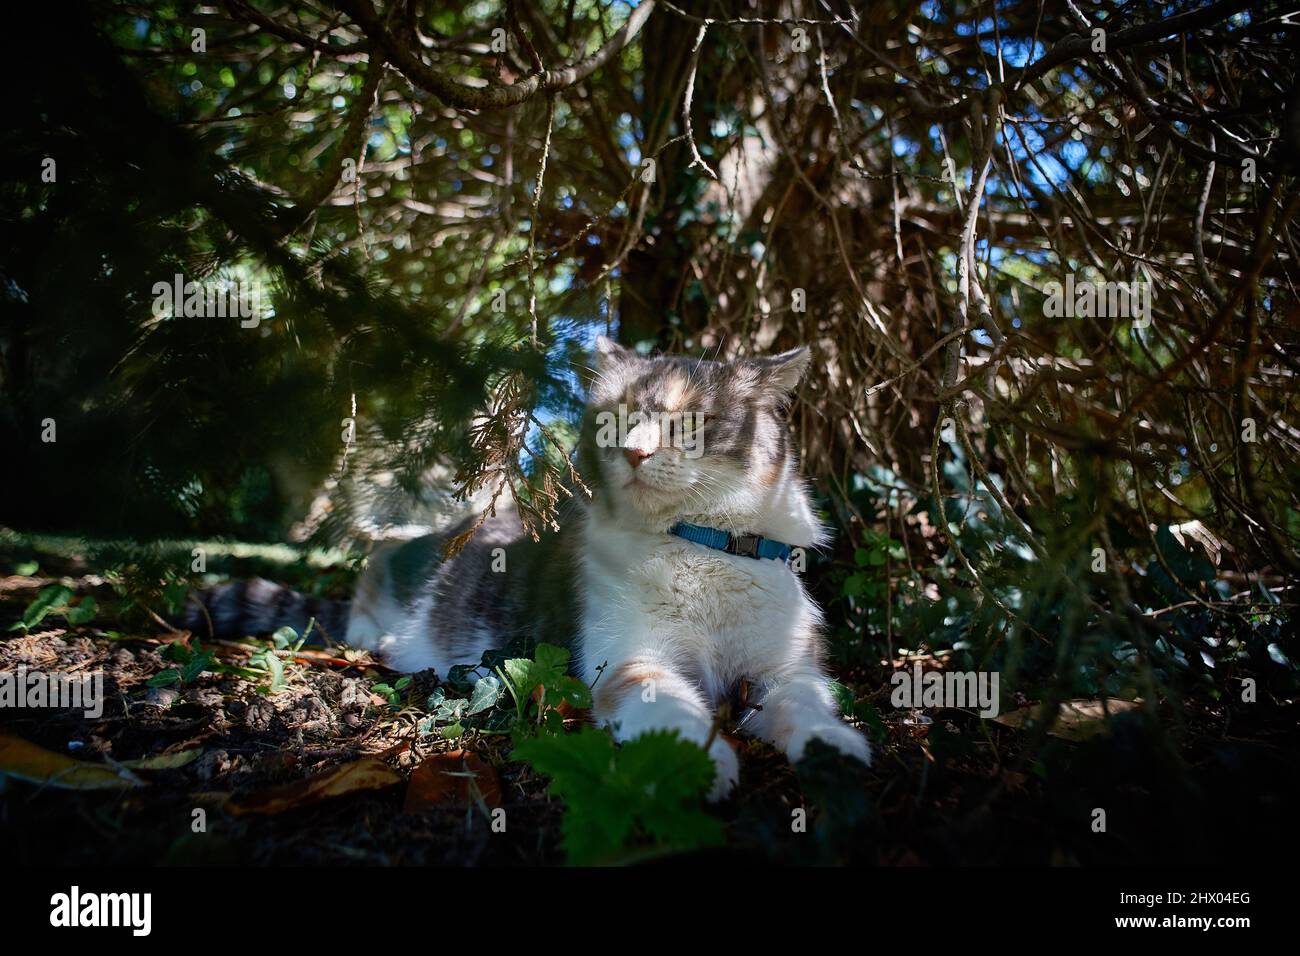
(258, 606)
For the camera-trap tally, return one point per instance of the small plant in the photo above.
(193, 661)
(392, 692)
(453, 712)
(642, 799)
(267, 660)
(56, 599)
(544, 681)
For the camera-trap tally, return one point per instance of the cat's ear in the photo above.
(609, 352)
(606, 359)
(781, 373)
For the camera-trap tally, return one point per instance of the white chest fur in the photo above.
(717, 617)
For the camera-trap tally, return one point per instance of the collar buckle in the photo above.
(745, 545)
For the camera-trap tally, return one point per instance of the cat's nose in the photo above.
(635, 456)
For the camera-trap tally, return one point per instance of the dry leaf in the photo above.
(1076, 720)
(451, 778)
(171, 761)
(26, 761)
(355, 777)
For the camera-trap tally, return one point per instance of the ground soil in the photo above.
(944, 788)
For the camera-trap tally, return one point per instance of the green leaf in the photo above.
(843, 697)
(519, 671)
(197, 665)
(83, 612)
(276, 668)
(175, 595)
(49, 598)
(647, 794)
(487, 690)
(574, 692)
(552, 659)
(855, 585)
(458, 677)
(165, 678)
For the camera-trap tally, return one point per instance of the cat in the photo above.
(684, 457)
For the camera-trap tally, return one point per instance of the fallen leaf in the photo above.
(310, 656)
(397, 749)
(355, 777)
(171, 761)
(451, 778)
(26, 761)
(1076, 720)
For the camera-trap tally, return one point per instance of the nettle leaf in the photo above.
(647, 794)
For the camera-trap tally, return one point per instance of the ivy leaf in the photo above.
(458, 677)
(487, 690)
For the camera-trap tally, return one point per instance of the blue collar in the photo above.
(748, 545)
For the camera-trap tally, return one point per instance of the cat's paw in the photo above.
(833, 733)
(727, 767)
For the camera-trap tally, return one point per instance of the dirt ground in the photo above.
(944, 788)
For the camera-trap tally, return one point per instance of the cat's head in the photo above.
(668, 438)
